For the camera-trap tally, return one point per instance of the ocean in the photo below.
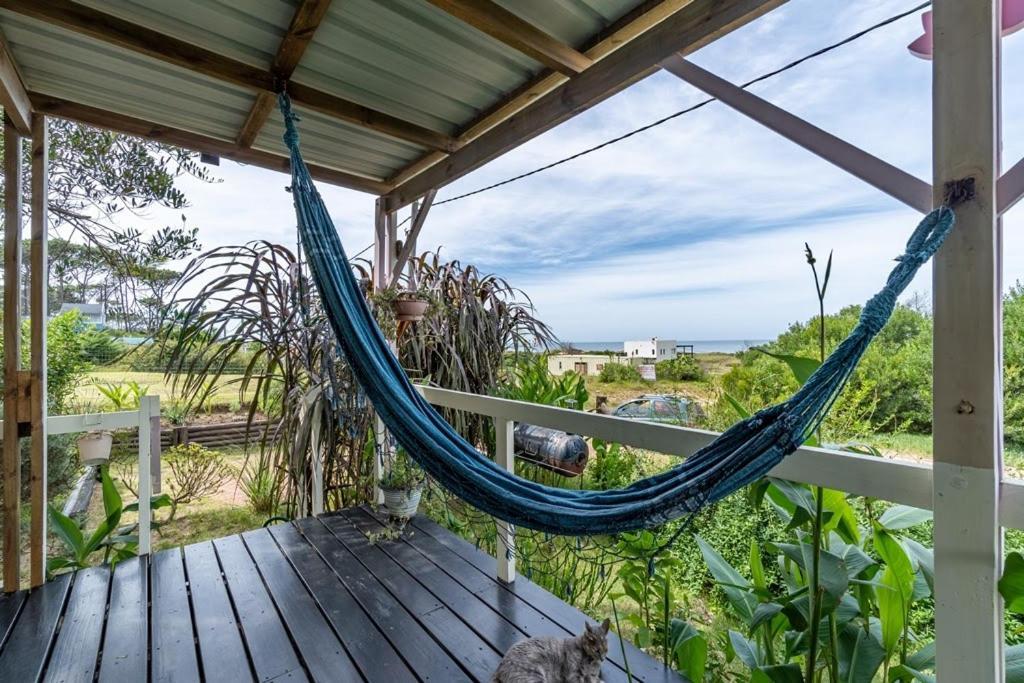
(699, 345)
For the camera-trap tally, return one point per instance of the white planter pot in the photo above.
(94, 448)
(402, 503)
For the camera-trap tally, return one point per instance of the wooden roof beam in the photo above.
(129, 125)
(307, 18)
(635, 23)
(695, 25)
(497, 22)
(108, 28)
(13, 96)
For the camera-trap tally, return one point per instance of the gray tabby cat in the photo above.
(556, 660)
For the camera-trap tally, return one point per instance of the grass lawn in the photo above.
(89, 397)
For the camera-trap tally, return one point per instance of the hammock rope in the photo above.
(742, 454)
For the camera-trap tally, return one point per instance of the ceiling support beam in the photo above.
(198, 143)
(307, 18)
(419, 217)
(1010, 189)
(13, 96)
(698, 23)
(504, 26)
(634, 24)
(891, 180)
(108, 28)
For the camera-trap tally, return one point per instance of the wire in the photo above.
(763, 77)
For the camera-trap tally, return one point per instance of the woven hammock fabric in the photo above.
(744, 453)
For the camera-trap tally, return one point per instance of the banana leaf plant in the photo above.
(117, 543)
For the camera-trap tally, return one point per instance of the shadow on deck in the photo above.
(310, 600)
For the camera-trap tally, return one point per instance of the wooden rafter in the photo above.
(116, 31)
(13, 96)
(307, 18)
(496, 21)
(1011, 187)
(635, 23)
(696, 24)
(199, 143)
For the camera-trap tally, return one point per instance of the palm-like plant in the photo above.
(255, 302)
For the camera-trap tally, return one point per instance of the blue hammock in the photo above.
(742, 454)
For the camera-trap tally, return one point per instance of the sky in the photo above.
(694, 230)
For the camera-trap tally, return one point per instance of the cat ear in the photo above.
(605, 625)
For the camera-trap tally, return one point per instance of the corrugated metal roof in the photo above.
(405, 58)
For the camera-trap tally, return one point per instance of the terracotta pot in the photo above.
(410, 308)
(402, 503)
(94, 448)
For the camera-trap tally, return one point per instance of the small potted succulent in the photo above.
(94, 447)
(402, 484)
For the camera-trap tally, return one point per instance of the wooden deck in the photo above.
(313, 600)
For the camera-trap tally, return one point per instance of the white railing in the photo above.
(897, 481)
(147, 420)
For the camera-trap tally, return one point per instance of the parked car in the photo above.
(659, 408)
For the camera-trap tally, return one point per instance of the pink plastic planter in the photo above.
(1013, 20)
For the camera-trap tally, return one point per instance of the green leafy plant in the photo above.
(116, 543)
(123, 395)
(529, 380)
(682, 368)
(401, 473)
(618, 372)
(262, 488)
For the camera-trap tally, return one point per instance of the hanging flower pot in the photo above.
(94, 448)
(402, 503)
(410, 306)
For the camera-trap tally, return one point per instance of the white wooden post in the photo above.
(505, 455)
(968, 347)
(149, 406)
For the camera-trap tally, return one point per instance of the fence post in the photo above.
(149, 407)
(505, 455)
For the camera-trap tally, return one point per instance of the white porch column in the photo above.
(968, 347)
(39, 285)
(505, 455)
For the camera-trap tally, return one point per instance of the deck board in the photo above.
(322, 599)
(78, 642)
(24, 655)
(219, 638)
(174, 656)
(126, 638)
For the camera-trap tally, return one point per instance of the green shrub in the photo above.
(682, 368)
(619, 372)
(529, 380)
(101, 346)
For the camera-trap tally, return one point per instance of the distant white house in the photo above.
(93, 314)
(651, 350)
(582, 363)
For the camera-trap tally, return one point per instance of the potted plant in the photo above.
(94, 447)
(402, 484)
(410, 305)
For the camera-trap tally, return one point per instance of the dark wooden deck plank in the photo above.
(25, 652)
(10, 607)
(324, 655)
(221, 652)
(477, 656)
(642, 666)
(126, 638)
(272, 654)
(370, 651)
(414, 643)
(76, 651)
(173, 655)
(483, 590)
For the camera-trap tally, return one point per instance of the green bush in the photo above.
(680, 369)
(101, 346)
(619, 372)
(1013, 359)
